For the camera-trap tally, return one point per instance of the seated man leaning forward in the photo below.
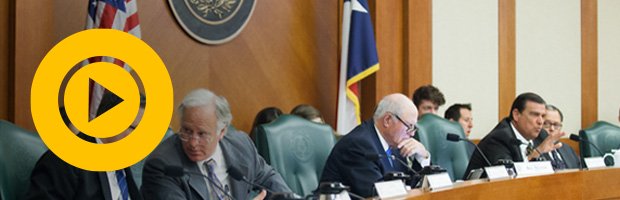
(390, 132)
(205, 145)
(514, 138)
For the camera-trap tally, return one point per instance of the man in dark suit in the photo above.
(206, 145)
(563, 157)
(53, 178)
(389, 133)
(513, 138)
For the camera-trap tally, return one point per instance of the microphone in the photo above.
(455, 138)
(577, 138)
(376, 156)
(416, 174)
(178, 171)
(238, 175)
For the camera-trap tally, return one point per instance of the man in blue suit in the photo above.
(388, 134)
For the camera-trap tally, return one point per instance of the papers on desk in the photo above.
(526, 169)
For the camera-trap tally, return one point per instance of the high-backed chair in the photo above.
(453, 156)
(297, 148)
(19, 151)
(604, 135)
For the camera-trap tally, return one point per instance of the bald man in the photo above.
(389, 133)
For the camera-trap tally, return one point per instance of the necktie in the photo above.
(217, 193)
(388, 152)
(529, 149)
(558, 163)
(122, 184)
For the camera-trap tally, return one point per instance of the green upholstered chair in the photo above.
(136, 169)
(453, 156)
(19, 151)
(604, 135)
(297, 149)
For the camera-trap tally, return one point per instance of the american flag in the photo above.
(110, 14)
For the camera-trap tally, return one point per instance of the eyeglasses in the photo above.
(548, 124)
(186, 135)
(410, 127)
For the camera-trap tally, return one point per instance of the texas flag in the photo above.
(358, 60)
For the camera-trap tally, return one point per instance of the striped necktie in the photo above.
(215, 191)
(122, 184)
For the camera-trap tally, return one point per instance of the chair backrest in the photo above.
(136, 169)
(604, 135)
(453, 156)
(297, 148)
(19, 152)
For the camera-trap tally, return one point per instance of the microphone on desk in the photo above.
(577, 138)
(178, 171)
(455, 138)
(238, 175)
(376, 156)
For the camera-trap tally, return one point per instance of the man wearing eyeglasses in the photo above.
(563, 157)
(207, 145)
(513, 139)
(388, 137)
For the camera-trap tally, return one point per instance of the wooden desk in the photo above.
(586, 184)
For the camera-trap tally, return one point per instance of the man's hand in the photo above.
(261, 195)
(549, 143)
(410, 147)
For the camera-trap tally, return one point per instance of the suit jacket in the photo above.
(238, 150)
(53, 178)
(350, 164)
(566, 152)
(500, 143)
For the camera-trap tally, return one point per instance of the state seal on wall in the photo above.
(212, 21)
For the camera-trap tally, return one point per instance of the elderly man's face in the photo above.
(553, 122)
(199, 134)
(401, 127)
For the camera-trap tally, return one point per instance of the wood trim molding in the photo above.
(507, 56)
(589, 62)
(419, 38)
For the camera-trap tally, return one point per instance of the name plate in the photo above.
(436, 181)
(393, 188)
(595, 162)
(497, 172)
(525, 169)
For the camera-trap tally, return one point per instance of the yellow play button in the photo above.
(116, 80)
(157, 88)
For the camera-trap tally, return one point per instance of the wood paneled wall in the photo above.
(403, 30)
(5, 16)
(286, 55)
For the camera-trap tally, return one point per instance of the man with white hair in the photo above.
(388, 134)
(206, 145)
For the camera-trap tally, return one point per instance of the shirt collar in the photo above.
(384, 143)
(518, 134)
(217, 156)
